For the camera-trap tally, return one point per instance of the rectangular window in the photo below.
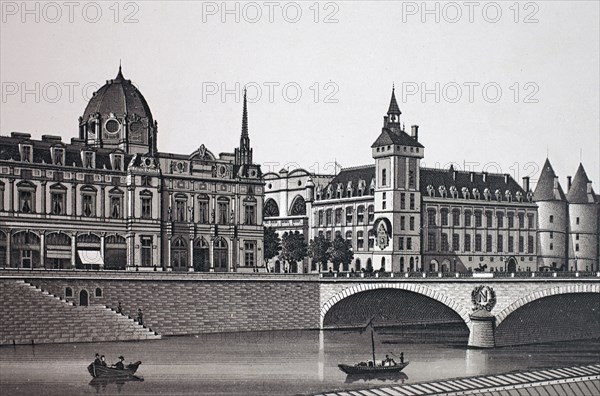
(203, 212)
(478, 220)
(384, 177)
(249, 254)
(511, 220)
(412, 201)
(409, 243)
(511, 244)
(338, 216)
(431, 217)
(455, 242)
(360, 215)
(383, 205)
(26, 157)
(146, 251)
(521, 220)
(349, 215)
(320, 218)
(146, 208)
(26, 201)
(478, 243)
(402, 221)
(521, 244)
(488, 243)
(328, 217)
(371, 213)
(371, 240)
(500, 219)
(576, 247)
(467, 219)
(26, 258)
(444, 241)
(444, 215)
(500, 244)
(88, 205)
(57, 203)
(431, 242)
(401, 243)
(403, 201)
(180, 210)
(115, 207)
(530, 223)
(412, 223)
(467, 243)
(488, 219)
(249, 214)
(360, 240)
(223, 207)
(455, 218)
(551, 219)
(577, 220)
(88, 160)
(530, 244)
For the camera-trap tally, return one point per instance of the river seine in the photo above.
(271, 363)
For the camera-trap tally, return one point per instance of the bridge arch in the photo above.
(553, 291)
(410, 287)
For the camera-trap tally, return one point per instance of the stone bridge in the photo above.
(525, 310)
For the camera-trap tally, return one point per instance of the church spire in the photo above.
(243, 154)
(120, 74)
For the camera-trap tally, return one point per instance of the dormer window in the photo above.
(117, 162)
(26, 153)
(453, 192)
(89, 160)
(430, 190)
(519, 196)
(58, 155)
(487, 194)
(465, 192)
(508, 195)
(476, 193)
(442, 190)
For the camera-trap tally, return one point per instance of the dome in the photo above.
(118, 96)
(118, 116)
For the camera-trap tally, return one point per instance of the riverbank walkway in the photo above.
(571, 381)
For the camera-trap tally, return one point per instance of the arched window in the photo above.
(58, 199)
(68, 292)
(88, 201)
(360, 214)
(26, 197)
(357, 265)
(271, 208)
(371, 213)
(98, 292)
(298, 206)
(116, 203)
(179, 255)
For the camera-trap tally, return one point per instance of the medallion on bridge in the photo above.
(483, 298)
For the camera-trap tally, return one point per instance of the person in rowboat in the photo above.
(97, 360)
(102, 361)
(119, 365)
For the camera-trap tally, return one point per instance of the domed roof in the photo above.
(118, 96)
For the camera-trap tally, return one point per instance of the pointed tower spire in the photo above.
(392, 119)
(394, 109)
(245, 118)
(243, 154)
(120, 74)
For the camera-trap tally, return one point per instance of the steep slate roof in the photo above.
(436, 178)
(544, 191)
(387, 137)
(9, 150)
(354, 174)
(578, 193)
(445, 177)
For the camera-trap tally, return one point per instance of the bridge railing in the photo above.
(448, 275)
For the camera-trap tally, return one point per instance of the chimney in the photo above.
(385, 121)
(414, 132)
(526, 184)
(569, 183)
(484, 176)
(506, 177)
(472, 174)
(454, 174)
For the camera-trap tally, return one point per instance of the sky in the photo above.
(494, 86)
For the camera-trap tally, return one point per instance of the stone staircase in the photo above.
(29, 314)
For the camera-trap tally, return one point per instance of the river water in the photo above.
(271, 363)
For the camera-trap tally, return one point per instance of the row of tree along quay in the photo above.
(291, 249)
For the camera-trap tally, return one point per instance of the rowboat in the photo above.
(97, 370)
(365, 369)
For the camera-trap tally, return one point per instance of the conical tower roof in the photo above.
(544, 190)
(578, 193)
(394, 109)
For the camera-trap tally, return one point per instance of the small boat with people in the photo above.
(99, 369)
(370, 367)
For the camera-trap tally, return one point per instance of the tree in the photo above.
(320, 251)
(293, 248)
(272, 243)
(341, 252)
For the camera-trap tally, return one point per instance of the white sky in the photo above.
(171, 53)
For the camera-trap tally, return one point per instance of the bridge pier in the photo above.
(482, 330)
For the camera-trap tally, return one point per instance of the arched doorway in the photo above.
(401, 264)
(201, 258)
(357, 265)
(25, 250)
(83, 298)
(434, 266)
(369, 265)
(220, 258)
(179, 255)
(412, 264)
(511, 265)
(445, 265)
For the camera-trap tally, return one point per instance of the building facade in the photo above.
(402, 217)
(110, 200)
